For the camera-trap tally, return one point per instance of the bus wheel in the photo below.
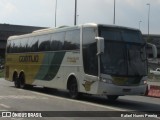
(22, 81)
(112, 97)
(16, 81)
(73, 89)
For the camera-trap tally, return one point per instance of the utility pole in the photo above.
(114, 12)
(55, 13)
(148, 17)
(75, 15)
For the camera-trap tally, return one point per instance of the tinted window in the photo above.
(15, 45)
(8, 46)
(11, 46)
(121, 34)
(57, 41)
(111, 35)
(113, 61)
(23, 45)
(44, 43)
(32, 45)
(90, 60)
(132, 36)
(72, 40)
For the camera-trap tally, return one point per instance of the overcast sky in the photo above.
(42, 13)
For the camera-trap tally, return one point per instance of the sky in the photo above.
(41, 13)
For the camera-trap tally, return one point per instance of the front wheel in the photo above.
(22, 81)
(73, 89)
(112, 97)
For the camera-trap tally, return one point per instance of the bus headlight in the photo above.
(106, 80)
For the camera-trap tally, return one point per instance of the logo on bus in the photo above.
(29, 58)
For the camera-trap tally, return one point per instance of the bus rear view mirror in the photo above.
(154, 49)
(100, 45)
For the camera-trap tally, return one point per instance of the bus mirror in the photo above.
(154, 49)
(100, 45)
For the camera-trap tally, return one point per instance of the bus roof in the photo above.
(116, 26)
(107, 25)
(43, 31)
(63, 28)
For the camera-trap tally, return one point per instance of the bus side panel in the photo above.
(60, 66)
(27, 63)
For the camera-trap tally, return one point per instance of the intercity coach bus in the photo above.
(86, 59)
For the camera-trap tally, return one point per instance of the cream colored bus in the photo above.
(90, 58)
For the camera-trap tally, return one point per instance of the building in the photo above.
(7, 30)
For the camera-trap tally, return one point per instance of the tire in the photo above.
(112, 97)
(73, 89)
(16, 81)
(22, 81)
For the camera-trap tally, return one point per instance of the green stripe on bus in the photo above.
(50, 66)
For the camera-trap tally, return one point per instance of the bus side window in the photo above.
(15, 46)
(72, 40)
(90, 59)
(44, 43)
(9, 46)
(32, 44)
(57, 41)
(23, 43)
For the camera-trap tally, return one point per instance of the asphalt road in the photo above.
(37, 99)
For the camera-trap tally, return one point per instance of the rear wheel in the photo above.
(112, 97)
(16, 81)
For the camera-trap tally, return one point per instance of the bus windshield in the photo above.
(124, 54)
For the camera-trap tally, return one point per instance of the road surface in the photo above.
(38, 99)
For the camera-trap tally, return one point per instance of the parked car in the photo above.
(155, 72)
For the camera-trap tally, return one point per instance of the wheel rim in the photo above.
(22, 82)
(16, 82)
(73, 90)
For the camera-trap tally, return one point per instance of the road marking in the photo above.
(17, 118)
(21, 97)
(5, 106)
(83, 102)
(3, 110)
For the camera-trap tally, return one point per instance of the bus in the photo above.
(91, 58)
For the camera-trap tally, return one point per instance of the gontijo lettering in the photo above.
(29, 58)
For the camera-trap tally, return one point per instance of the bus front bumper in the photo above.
(111, 89)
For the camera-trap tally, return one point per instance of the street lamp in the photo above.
(55, 13)
(114, 11)
(148, 16)
(140, 24)
(75, 14)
